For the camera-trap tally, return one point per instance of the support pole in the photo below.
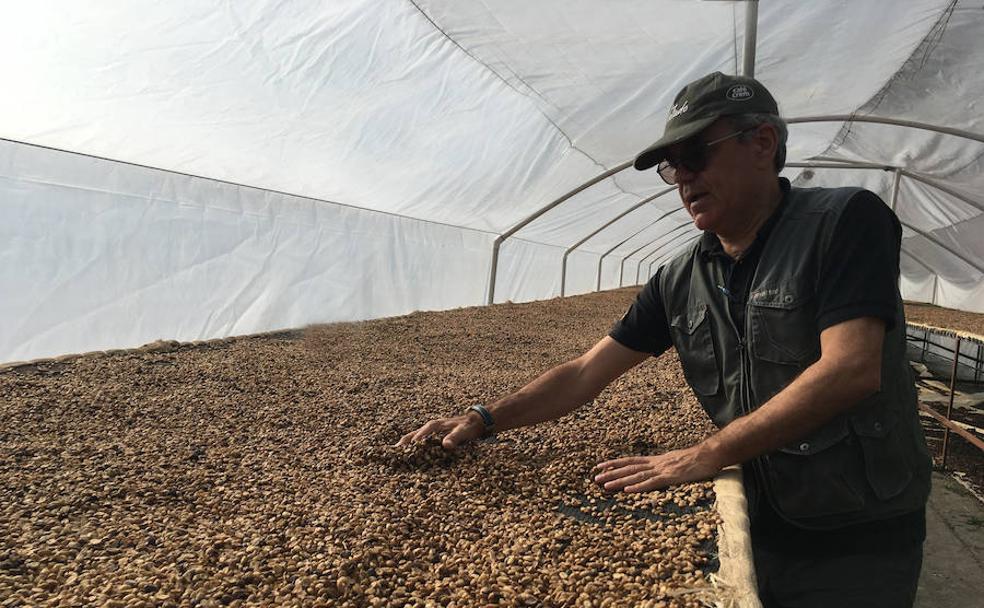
(630, 237)
(621, 270)
(751, 33)
(673, 251)
(508, 233)
(895, 188)
(677, 237)
(949, 406)
(563, 265)
(874, 166)
(888, 121)
(895, 198)
(978, 363)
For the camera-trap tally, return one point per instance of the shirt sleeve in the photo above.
(644, 327)
(860, 274)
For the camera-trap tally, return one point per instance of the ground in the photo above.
(257, 470)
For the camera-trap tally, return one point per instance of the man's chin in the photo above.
(702, 222)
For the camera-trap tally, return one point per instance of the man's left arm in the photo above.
(857, 294)
(849, 369)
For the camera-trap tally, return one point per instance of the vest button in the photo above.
(878, 426)
(787, 298)
(804, 447)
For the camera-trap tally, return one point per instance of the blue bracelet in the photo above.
(486, 417)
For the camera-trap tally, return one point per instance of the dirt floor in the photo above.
(258, 471)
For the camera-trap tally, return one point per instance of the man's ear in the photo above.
(766, 142)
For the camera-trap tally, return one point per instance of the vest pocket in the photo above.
(692, 338)
(886, 461)
(783, 325)
(818, 475)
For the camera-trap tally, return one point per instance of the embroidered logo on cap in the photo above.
(675, 111)
(740, 92)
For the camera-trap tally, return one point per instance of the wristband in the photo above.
(486, 418)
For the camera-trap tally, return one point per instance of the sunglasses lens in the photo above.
(667, 172)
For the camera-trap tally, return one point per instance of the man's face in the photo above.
(719, 195)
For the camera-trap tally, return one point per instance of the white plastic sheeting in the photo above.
(99, 255)
(309, 162)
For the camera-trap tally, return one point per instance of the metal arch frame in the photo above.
(942, 245)
(629, 238)
(563, 265)
(899, 172)
(621, 264)
(825, 162)
(529, 219)
(671, 252)
(621, 281)
(896, 182)
(749, 59)
(751, 34)
(649, 270)
(657, 250)
(896, 187)
(912, 124)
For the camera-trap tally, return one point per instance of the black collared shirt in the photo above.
(737, 274)
(859, 279)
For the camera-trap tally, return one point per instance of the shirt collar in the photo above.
(711, 246)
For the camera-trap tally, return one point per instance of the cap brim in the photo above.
(654, 154)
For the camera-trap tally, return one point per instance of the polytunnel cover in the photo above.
(191, 170)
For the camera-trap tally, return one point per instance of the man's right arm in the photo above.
(553, 394)
(641, 333)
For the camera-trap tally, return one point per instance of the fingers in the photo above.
(620, 462)
(431, 428)
(420, 434)
(460, 432)
(629, 479)
(653, 483)
(612, 474)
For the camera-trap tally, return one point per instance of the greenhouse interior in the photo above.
(246, 247)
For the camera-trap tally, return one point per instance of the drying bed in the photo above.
(945, 318)
(260, 470)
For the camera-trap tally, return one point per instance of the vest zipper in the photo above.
(745, 404)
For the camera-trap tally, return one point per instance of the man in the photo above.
(789, 325)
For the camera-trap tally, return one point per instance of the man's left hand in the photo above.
(647, 473)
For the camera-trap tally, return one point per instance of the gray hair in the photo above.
(742, 122)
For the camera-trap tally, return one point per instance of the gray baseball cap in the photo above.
(703, 101)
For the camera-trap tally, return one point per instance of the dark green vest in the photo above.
(868, 463)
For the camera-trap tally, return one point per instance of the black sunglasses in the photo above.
(693, 157)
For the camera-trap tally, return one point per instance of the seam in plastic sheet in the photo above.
(925, 47)
(168, 172)
(533, 91)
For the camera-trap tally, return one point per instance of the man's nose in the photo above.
(684, 175)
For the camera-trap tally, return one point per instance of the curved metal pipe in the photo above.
(673, 251)
(643, 259)
(621, 265)
(912, 124)
(630, 237)
(563, 265)
(516, 228)
(649, 244)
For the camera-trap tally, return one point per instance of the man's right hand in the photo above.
(451, 431)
